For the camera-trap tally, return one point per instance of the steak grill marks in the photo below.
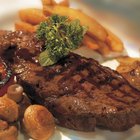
(97, 76)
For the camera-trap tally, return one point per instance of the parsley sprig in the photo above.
(61, 36)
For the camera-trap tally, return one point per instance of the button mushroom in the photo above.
(23, 104)
(7, 132)
(3, 125)
(15, 92)
(38, 122)
(8, 109)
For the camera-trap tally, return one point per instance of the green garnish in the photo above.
(61, 36)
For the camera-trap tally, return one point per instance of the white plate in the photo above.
(9, 14)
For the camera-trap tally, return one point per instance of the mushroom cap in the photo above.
(38, 122)
(10, 133)
(15, 92)
(9, 110)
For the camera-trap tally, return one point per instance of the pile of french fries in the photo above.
(97, 37)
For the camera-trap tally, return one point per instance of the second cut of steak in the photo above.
(79, 92)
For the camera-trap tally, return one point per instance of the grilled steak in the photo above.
(80, 93)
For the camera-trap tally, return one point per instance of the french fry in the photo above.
(90, 42)
(46, 2)
(25, 26)
(114, 42)
(32, 15)
(55, 2)
(94, 28)
(62, 2)
(104, 48)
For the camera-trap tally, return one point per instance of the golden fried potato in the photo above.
(32, 15)
(20, 25)
(114, 42)
(62, 2)
(55, 2)
(38, 122)
(90, 42)
(104, 48)
(94, 28)
(46, 2)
